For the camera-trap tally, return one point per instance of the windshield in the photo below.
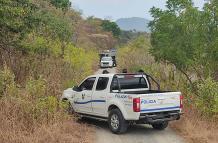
(106, 59)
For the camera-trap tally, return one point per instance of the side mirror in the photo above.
(76, 88)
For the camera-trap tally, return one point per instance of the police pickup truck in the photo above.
(124, 99)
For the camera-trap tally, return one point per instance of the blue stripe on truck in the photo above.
(157, 109)
(90, 101)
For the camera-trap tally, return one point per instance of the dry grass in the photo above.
(30, 112)
(19, 126)
(196, 129)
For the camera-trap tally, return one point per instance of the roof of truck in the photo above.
(104, 75)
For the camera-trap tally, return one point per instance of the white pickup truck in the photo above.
(124, 99)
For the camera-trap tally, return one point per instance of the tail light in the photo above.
(136, 104)
(181, 101)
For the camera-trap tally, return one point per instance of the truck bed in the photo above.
(157, 101)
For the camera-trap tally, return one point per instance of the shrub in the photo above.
(36, 88)
(7, 83)
(207, 101)
(81, 62)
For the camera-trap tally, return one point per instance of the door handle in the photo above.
(83, 96)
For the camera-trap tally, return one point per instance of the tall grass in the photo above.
(30, 110)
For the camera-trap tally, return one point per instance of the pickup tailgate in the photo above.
(158, 102)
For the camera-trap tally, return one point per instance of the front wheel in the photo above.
(160, 126)
(117, 123)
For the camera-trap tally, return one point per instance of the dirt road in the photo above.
(110, 70)
(135, 134)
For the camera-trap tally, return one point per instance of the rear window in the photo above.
(131, 82)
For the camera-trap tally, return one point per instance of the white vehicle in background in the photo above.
(106, 62)
(124, 99)
(109, 53)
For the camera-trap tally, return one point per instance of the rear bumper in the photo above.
(152, 118)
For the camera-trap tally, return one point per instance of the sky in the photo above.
(115, 9)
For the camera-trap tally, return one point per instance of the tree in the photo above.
(111, 27)
(16, 19)
(182, 35)
(64, 4)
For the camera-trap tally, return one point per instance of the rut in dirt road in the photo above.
(136, 133)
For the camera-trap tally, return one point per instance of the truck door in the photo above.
(83, 99)
(99, 96)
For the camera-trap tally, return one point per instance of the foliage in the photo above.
(7, 84)
(80, 60)
(56, 26)
(16, 19)
(136, 52)
(186, 37)
(127, 36)
(96, 22)
(36, 88)
(33, 100)
(140, 58)
(207, 101)
(15, 14)
(44, 49)
(111, 27)
(61, 3)
(168, 76)
(35, 44)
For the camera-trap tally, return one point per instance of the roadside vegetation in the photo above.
(182, 54)
(45, 47)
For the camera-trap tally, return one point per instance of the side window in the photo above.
(88, 84)
(114, 84)
(143, 83)
(102, 83)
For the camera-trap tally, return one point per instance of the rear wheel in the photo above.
(117, 123)
(160, 126)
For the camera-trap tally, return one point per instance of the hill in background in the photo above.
(134, 23)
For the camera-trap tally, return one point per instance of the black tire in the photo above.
(122, 123)
(160, 126)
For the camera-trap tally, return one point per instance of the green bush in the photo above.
(7, 83)
(36, 88)
(207, 101)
